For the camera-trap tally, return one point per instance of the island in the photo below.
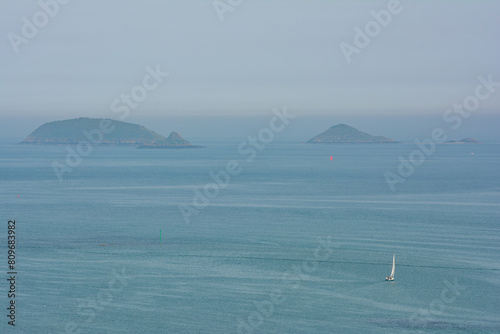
(103, 132)
(468, 140)
(173, 141)
(343, 133)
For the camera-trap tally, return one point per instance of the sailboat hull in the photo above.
(389, 278)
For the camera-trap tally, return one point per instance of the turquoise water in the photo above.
(296, 243)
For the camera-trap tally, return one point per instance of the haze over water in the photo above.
(274, 237)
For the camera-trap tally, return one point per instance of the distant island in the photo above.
(117, 133)
(468, 140)
(343, 133)
(173, 141)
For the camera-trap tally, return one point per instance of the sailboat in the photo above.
(391, 277)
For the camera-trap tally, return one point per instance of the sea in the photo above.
(292, 238)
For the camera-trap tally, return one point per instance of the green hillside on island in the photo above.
(343, 133)
(105, 132)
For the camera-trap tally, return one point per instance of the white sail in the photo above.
(393, 266)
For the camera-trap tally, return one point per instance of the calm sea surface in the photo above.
(296, 243)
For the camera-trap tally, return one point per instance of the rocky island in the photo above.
(175, 140)
(343, 133)
(104, 132)
(468, 140)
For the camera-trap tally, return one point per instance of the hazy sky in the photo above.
(264, 54)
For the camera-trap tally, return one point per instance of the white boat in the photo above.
(391, 277)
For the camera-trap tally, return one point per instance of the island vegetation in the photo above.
(343, 133)
(74, 131)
